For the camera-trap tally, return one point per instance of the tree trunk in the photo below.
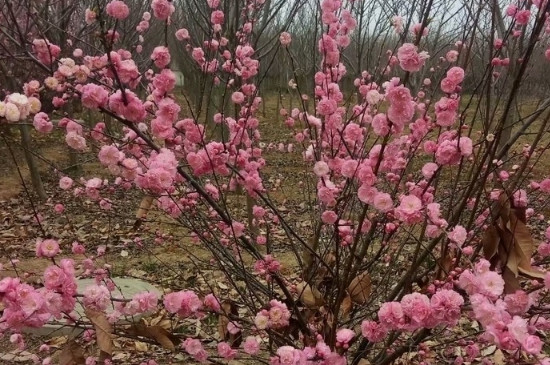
(26, 144)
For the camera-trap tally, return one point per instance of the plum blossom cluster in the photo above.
(26, 306)
(321, 354)
(502, 316)
(16, 107)
(277, 316)
(415, 311)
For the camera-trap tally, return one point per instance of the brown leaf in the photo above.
(160, 335)
(309, 295)
(72, 354)
(511, 282)
(141, 346)
(346, 306)
(490, 242)
(103, 332)
(228, 308)
(144, 208)
(524, 248)
(360, 288)
(445, 265)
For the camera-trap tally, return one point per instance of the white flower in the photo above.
(12, 112)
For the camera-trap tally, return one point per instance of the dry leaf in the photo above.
(103, 331)
(164, 338)
(524, 247)
(72, 354)
(57, 341)
(490, 242)
(508, 243)
(141, 346)
(345, 307)
(360, 288)
(144, 208)
(498, 358)
(309, 296)
(228, 308)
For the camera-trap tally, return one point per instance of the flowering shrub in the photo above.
(420, 224)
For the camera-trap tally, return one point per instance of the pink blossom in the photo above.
(194, 348)
(75, 141)
(161, 56)
(285, 39)
(225, 351)
(517, 303)
(520, 198)
(451, 56)
(417, 27)
(279, 314)
(286, 355)
(329, 217)
(458, 235)
(96, 297)
(409, 58)
(383, 202)
(491, 284)
(429, 169)
(532, 344)
(417, 308)
(446, 306)
(110, 155)
(47, 248)
(391, 315)
(129, 106)
(448, 85)
(45, 51)
(59, 208)
(184, 303)
(217, 17)
(373, 331)
(42, 123)
(522, 17)
(321, 169)
(65, 183)
(94, 96)
(117, 9)
(89, 16)
(162, 9)
(397, 23)
(344, 335)
(511, 10)
(251, 345)
(182, 34)
(455, 75)
(409, 209)
(237, 97)
(212, 303)
(77, 248)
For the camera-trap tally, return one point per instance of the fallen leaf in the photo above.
(103, 331)
(141, 346)
(72, 354)
(160, 335)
